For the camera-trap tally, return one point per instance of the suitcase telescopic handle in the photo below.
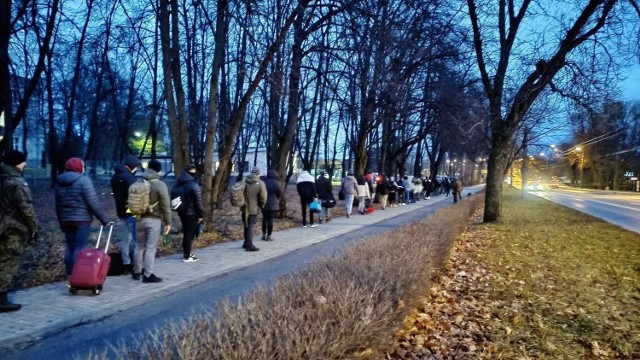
(106, 247)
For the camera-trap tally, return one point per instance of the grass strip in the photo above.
(547, 282)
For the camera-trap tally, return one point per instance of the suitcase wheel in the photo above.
(97, 290)
(73, 290)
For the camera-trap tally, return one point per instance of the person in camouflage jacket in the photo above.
(17, 222)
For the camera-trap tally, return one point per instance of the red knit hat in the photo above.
(74, 164)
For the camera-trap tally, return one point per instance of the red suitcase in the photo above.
(91, 267)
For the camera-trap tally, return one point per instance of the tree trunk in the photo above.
(172, 79)
(212, 116)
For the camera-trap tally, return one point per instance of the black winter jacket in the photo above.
(306, 187)
(192, 195)
(324, 188)
(272, 182)
(76, 199)
(382, 187)
(120, 182)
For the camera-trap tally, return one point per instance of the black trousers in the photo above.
(249, 222)
(305, 207)
(189, 231)
(267, 222)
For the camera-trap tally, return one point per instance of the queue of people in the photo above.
(76, 204)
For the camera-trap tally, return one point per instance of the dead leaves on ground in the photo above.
(449, 322)
(528, 310)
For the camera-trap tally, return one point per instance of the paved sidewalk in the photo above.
(50, 308)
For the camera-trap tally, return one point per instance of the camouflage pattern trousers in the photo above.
(11, 245)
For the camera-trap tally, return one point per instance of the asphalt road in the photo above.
(127, 326)
(619, 208)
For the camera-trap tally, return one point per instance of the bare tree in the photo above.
(506, 114)
(7, 30)
(172, 79)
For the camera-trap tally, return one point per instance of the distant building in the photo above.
(33, 124)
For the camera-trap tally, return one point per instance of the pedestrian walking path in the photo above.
(50, 308)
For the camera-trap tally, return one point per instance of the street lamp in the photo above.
(579, 150)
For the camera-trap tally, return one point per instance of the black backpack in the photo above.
(178, 199)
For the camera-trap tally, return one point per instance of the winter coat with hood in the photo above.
(324, 188)
(255, 194)
(306, 186)
(272, 183)
(76, 199)
(350, 185)
(192, 195)
(159, 194)
(120, 182)
(16, 201)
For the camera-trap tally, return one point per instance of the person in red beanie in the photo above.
(76, 204)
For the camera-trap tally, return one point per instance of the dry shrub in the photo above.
(338, 307)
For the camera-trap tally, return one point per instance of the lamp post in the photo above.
(579, 150)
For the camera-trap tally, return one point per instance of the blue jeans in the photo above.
(126, 228)
(325, 214)
(77, 236)
(348, 203)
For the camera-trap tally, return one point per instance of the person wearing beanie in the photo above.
(17, 222)
(256, 198)
(14, 158)
(150, 225)
(123, 177)
(349, 187)
(274, 193)
(306, 187)
(186, 199)
(155, 165)
(74, 164)
(76, 204)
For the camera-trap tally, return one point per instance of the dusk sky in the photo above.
(631, 86)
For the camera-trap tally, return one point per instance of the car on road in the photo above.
(535, 186)
(554, 185)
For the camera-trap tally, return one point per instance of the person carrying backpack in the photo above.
(186, 199)
(76, 204)
(150, 224)
(17, 222)
(126, 226)
(256, 197)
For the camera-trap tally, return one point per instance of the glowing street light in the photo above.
(579, 151)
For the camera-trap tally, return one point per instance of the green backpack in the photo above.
(138, 198)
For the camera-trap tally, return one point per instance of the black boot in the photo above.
(6, 305)
(251, 247)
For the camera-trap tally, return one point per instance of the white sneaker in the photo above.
(191, 258)
(304, 226)
(314, 225)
